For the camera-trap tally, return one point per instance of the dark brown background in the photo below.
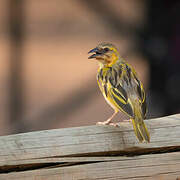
(46, 80)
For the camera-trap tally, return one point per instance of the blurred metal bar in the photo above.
(16, 33)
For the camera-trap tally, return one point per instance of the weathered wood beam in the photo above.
(69, 151)
(150, 167)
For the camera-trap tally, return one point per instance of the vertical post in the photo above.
(16, 33)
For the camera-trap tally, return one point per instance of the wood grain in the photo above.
(154, 166)
(93, 152)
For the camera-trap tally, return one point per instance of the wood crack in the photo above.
(35, 166)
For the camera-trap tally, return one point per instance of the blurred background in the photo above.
(46, 80)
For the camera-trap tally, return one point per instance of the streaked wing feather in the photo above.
(121, 103)
(141, 94)
(144, 108)
(118, 93)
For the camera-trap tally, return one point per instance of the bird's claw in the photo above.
(114, 124)
(126, 120)
(101, 123)
(105, 123)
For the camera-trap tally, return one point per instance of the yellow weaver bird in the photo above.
(121, 88)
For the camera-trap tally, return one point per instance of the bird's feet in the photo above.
(126, 120)
(114, 124)
(107, 123)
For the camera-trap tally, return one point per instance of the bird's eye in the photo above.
(106, 49)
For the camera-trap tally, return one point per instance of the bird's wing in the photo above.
(111, 82)
(117, 91)
(141, 94)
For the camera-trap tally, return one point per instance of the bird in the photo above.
(121, 88)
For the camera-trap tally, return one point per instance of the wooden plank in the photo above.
(89, 141)
(154, 166)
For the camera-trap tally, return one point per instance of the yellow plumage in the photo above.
(121, 88)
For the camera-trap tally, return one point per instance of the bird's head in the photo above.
(106, 53)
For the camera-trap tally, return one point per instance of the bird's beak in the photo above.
(96, 51)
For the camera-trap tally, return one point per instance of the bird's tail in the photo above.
(140, 129)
